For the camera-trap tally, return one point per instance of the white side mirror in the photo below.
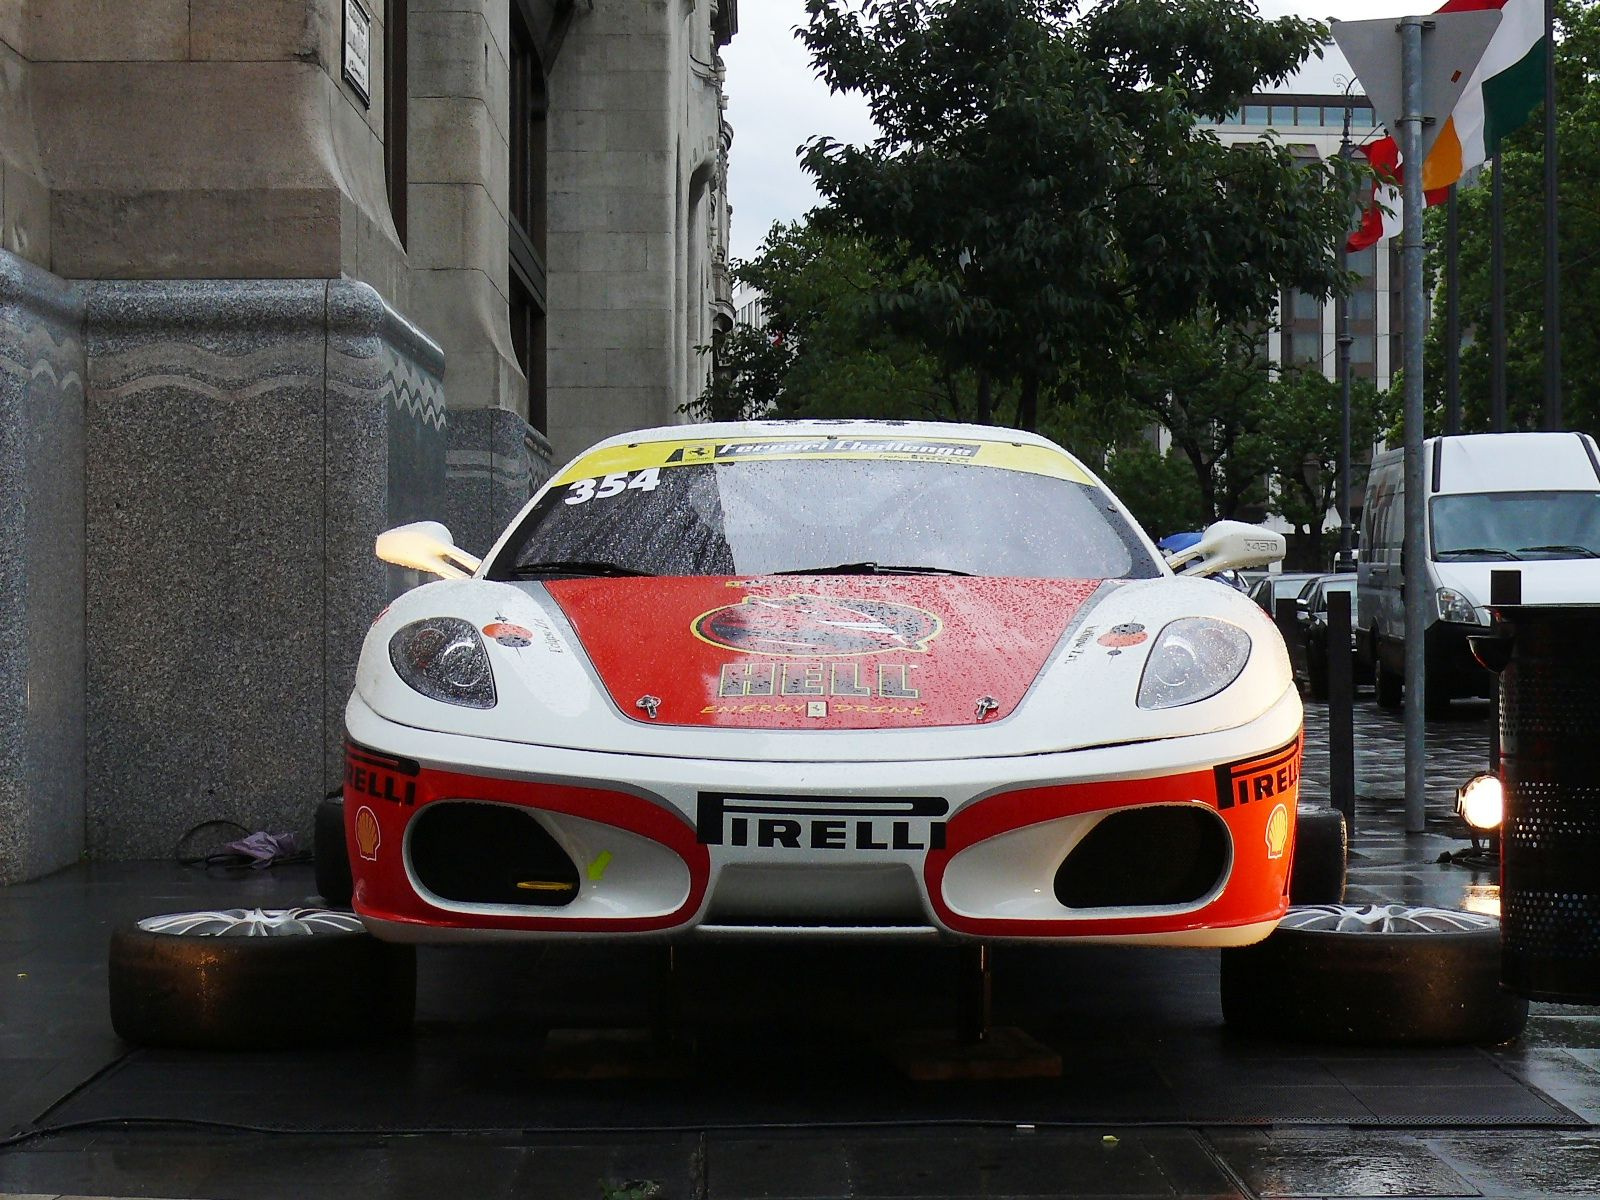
(425, 546)
(1229, 546)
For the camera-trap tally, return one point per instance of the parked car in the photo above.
(1280, 585)
(1524, 500)
(1311, 662)
(798, 678)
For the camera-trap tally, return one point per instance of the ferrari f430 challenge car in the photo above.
(861, 678)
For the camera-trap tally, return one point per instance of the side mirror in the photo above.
(1229, 545)
(425, 546)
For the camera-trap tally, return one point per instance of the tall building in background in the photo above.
(1311, 127)
(274, 277)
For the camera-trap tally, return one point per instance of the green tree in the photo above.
(1522, 164)
(1159, 489)
(1206, 381)
(1295, 436)
(1042, 190)
(829, 349)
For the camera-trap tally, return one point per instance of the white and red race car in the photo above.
(797, 678)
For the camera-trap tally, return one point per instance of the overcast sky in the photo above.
(775, 104)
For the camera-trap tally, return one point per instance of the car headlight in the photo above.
(444, 659)
(1193, 658)
(1455, 607)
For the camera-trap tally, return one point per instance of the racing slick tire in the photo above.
(1376, 975)
(254, 979)
(1321, 852)
(330, 855)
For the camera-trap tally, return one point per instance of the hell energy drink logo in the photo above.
(1270, 777)
(817, 626)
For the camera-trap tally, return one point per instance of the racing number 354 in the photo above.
(582, 490)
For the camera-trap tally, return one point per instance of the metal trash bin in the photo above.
(1550, 767)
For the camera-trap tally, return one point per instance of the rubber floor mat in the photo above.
(774, 1036)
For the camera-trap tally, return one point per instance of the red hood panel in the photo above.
(819, 652)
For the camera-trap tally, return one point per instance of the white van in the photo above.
(1495, 500)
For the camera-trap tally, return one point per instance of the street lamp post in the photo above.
(1342, 340)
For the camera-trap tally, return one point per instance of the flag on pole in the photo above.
(1381, 215)
(1501, 93)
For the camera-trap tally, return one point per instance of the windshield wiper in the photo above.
(1565, 547)
(574, 567)
(1459, 551)
(872, 568)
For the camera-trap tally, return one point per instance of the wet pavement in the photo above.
(779, 1080)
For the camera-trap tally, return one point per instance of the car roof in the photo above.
(754, 430)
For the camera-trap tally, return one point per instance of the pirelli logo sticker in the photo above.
(640, 456)
(821, 823)
(1268, 777)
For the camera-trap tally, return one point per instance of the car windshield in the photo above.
(820, 512)
(1501, 526)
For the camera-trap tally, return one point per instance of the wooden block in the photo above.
(1006, 1052)
(613, 1054)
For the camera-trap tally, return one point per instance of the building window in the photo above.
(1282, 115)
(396, 102)
(526, 219)
(1255, 114)
(1305, 347)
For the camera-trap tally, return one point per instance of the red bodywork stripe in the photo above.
(383, 890)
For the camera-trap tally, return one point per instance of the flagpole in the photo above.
(1452, 320)
(1414, 563)
(1552, 265)
(1342, 339)
(1497, 298)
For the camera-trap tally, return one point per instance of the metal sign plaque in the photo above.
(358, 50)
(1455, 42)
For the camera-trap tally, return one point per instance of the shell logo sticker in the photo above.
(514, 637)
(368, 836)
(817, 626)
(1277, 831)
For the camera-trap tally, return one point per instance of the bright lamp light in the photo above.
(1481, 802)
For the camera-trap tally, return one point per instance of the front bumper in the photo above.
(965, 848)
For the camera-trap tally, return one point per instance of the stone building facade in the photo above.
(275, 275)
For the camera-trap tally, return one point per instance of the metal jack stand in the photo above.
(975, 1048)
(975, 995)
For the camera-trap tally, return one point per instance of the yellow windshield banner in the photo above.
(1009, 456)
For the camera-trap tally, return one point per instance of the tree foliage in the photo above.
(1159, 489)
(1041, 186)
(1522, 164)
(1206, 381)
(828, 349)
(1295, 437)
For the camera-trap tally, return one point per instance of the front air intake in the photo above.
(474, 853)
(1160, 856)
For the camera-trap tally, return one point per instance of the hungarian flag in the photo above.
(1503, 90)
(1381, 215)
(1501, 93)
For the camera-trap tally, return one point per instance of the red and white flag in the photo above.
(1381, 216)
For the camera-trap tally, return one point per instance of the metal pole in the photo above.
(1416, 579)
(1341, 325)
(1497, 299)
(1552, 250)
(1341, 712)
(1452, 321)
